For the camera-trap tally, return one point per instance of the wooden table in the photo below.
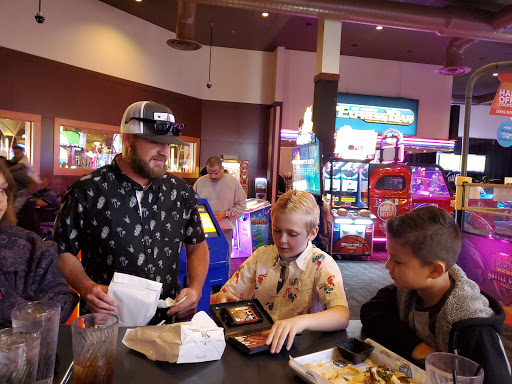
(234, 367)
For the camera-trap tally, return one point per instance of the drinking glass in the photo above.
(18, 356)
(40, 317)
(94, 348)
(440, 368)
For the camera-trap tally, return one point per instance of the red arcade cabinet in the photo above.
(396, 188)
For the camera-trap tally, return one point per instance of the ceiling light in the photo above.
(379, 27)
(495, 74)
(138, 1)
(264, 14)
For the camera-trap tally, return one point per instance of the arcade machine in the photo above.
(218, 271)
(486, 234)
(253, 226)
(396, 188)
(240, 170)
(347, 222)
(260, 188)
(306, 168)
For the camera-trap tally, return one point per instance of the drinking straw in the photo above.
(454, 373)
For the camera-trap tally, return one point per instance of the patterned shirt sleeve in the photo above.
(69, 224)
(194, 233)
(242, 283)
(329, 284)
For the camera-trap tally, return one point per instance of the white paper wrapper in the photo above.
(189, 342)
(136, 298)
(379, 355)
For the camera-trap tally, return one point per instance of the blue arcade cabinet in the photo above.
(218, 271)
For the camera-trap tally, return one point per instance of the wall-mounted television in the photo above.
(451, 162)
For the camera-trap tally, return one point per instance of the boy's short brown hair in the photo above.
(299, 202)
(430, 232)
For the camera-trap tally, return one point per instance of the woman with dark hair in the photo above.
(27, 263)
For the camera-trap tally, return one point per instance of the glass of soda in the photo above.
(42, 317)
(19, 352)
(94, 348)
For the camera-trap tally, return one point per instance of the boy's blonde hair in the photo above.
(301, 203)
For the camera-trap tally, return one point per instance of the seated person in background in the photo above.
(27, 263)
(299, 285)
(48, 201)
(432, 305)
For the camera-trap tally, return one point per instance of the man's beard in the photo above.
(142, 168)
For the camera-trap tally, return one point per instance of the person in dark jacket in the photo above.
(27, 263)
(432, 305)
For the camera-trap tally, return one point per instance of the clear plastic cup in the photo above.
(440, 368)
(41, 317)
(94, 348)
(19, 353)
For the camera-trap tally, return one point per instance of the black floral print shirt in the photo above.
(101, 217)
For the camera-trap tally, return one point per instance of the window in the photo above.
(81, 147)
(391, 183)
(23, 129)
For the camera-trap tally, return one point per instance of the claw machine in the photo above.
(253, 226)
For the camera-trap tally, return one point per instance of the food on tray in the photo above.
(352, 375)
(332, 373)
(382, 375)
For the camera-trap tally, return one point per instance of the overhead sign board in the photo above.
(363, 112)
(502, 104)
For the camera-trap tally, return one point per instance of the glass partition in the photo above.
(487, 210)
(23, 129)
(81, 147)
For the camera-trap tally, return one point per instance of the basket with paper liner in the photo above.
(381, 366)
(194, 341)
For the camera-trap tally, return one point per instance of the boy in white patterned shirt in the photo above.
(299, 285)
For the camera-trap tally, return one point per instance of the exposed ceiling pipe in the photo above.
(185, 27)
(454, 51)
(443, 21)
(482, 99)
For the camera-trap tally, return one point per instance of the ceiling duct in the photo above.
(445, 21)
(185, 27)
(454, 52)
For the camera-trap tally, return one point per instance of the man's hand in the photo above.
(220, 215)
(187, 308)
(222, 297)
(421, 351)
(282, 330)
(97, 299)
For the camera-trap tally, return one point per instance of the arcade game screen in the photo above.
(349, 183)
(206, 220)
(306, 168)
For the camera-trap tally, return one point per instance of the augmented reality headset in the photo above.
(160, 125)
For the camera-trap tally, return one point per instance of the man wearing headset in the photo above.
(132, 216)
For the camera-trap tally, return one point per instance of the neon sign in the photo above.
(369, 114)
